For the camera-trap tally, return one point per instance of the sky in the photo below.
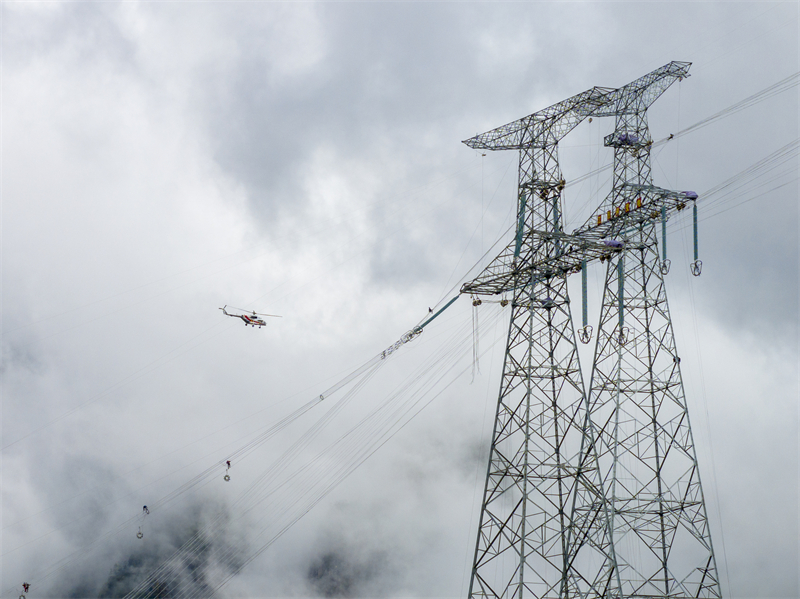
(161, 160)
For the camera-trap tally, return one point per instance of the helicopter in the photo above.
(249, 318)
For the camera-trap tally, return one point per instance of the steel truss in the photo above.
(598, 494)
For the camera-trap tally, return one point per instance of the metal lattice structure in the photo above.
(590, 494)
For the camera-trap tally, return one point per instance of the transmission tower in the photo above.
(590, 494)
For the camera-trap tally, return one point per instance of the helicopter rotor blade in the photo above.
(242, 310)
(251, 312)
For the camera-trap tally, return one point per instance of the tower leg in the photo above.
(521, 549)
(644, 446)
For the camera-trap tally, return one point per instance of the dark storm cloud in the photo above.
(386, 74)
(390, 85)
(92, 482)
(333, 574)
(20, 356)
(195, 574)
(85, 31)
(755, 266)
(266, 129)
(381, 88)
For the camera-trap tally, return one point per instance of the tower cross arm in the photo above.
(634, 204)
(547, 254)
(638, 95)
(546, 127)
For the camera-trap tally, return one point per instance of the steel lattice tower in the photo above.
(590, 494)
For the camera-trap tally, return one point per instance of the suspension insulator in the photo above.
(664, 261)
(621, 291)
(697, 265)
(584, 296)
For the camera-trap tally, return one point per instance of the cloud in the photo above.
(217, 554)
(162, 160)
(333, 574)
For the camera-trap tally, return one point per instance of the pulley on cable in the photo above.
(145, 513)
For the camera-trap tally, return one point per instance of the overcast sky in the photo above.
(161, 160)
